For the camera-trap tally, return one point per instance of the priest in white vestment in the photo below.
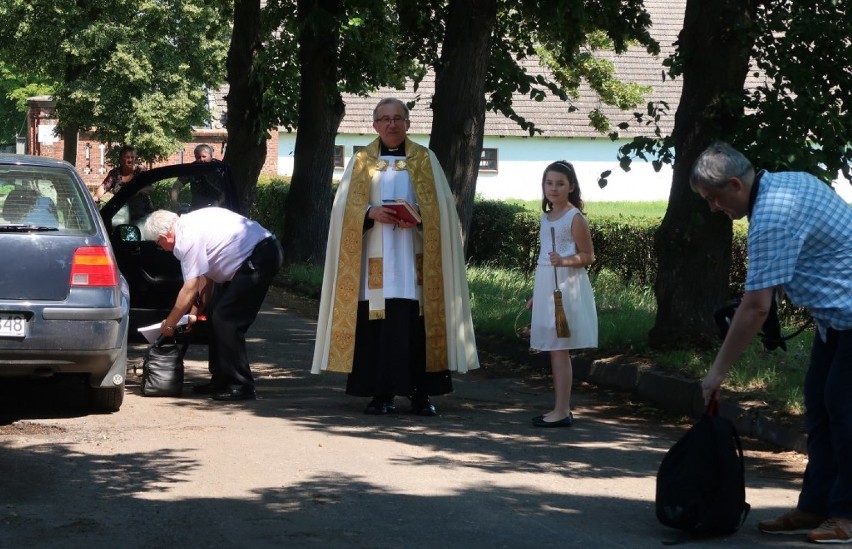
(395, 306)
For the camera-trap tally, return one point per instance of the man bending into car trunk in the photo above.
(228, 262)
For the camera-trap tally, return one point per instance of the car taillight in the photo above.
(93, 266)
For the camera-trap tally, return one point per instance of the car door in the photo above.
(153, 274)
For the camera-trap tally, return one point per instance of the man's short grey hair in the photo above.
(390, 101)
(717, 164)
(159, 222)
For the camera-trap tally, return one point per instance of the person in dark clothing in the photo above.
(228, 263)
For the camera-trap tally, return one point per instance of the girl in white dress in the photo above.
(562, 206)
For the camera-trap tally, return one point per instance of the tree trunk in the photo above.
(308, 205)
(245, 152)
(70, 136)
(69, 146)
(693, 245)
(458, 123)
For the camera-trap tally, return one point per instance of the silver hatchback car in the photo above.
(63, 303)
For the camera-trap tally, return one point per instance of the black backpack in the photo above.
(701, 480)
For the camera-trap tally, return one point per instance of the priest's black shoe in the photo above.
(423, 408)
(380, 407)
(234, 393)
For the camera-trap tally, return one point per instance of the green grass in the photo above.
(655, 209)
(625, 313)
(773, 376)
(625, 316)
(498, 298)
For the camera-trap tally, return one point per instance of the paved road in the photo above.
(303, 467)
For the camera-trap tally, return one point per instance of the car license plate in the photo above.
(13, 325)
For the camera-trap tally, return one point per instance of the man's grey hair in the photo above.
(390, 101)
(159, 222)
(717, 164)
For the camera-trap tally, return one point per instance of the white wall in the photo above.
(843, 188)
(521, 162)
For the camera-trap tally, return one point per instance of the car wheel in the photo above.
(107, 400)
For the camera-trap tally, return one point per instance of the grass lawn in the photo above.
(625, 315)
(655, 209)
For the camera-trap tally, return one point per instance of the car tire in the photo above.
(107, 400)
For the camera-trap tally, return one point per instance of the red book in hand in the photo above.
(403, 210)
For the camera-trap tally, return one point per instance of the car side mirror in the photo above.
(129, 233)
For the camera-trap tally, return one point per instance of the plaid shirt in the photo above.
(800, 236)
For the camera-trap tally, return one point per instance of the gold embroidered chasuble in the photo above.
(348, 283)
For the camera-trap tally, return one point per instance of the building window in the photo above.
(488, 161)
(356, 148)
(338, 156)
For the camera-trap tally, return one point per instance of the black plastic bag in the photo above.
(162, 369)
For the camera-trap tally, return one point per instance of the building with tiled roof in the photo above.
(92, 161)
(513, 161)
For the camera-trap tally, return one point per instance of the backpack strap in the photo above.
(713, 406)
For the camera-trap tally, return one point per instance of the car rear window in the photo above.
(43, 197)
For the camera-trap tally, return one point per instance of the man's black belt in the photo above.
(247, 264)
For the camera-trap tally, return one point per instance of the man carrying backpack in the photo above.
(799, 238)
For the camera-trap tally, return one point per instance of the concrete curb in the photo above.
(668, 392)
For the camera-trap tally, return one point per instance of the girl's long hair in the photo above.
(567, 169)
